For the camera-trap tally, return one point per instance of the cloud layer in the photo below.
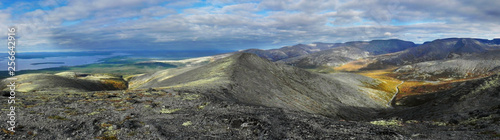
(65, 25)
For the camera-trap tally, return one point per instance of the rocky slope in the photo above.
(249, 79)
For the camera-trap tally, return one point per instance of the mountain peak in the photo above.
(247, 78)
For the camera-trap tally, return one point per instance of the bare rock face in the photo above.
(249, 79)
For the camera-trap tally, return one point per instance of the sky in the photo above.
(100, 25)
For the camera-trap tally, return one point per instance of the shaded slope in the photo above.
(475, 98)
(438, 50)
(249, 79)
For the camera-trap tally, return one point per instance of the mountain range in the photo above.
(380, 89)
(331, 54)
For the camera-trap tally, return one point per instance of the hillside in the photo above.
(249, 79)
(439, 49)
(470, 66)
(474, 104)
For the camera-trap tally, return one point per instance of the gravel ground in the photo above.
(150, 114)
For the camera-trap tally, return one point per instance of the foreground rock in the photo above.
(150, 114)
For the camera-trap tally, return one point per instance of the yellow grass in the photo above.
(115, 84)
(354, 65)
(388, 83)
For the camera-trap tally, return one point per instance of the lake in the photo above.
(42, 60)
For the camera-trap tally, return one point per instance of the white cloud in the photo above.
(251, 23)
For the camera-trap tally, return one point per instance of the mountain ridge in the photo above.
(333, 54)
(249, 79)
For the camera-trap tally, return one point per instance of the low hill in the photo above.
(247, 78)
(348, 52)
(65, 81)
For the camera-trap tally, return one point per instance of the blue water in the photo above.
(42, 60)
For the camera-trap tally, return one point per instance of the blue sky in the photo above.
(75, 25)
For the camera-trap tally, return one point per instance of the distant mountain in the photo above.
(438, 50)
(332, 57)
(374, 47)
(247, 78)
(493, 42)
(292, 51)
(349, 51)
